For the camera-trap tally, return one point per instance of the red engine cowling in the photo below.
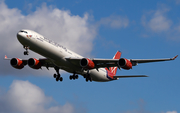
(125, 63)
(16, 63)
(34, 63)
(87, 63)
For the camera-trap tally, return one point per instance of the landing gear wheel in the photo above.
(73, 77)
(85, 76)
(87, 79)
(57, 79)
(90, 79)
(70, 77)
(54, 75)
(76, 76)
(57, 76)
(26, 53)
(61, 79)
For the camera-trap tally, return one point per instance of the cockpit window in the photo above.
(24, 31)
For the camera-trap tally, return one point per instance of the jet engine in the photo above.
(16, 63)
(87, 63)
(125, 63)
(34, 63)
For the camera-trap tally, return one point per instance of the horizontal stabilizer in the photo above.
(6, 58)
(128, 76)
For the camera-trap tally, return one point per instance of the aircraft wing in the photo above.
(136, 61)
(105, 62)
(102, 63)
(44, 61)
(99, 63)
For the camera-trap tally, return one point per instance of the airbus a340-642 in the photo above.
(59, 57)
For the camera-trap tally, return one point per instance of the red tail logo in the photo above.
(112, 70)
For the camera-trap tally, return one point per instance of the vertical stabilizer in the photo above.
(113, 70)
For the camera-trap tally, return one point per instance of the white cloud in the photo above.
(115, 21)
(157, 21)
(25, 97)
(72, 31)
(142, 108)
(171, 112)
(65, 28)
(178, 28)
(177, 1)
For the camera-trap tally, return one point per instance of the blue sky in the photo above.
(139, 29)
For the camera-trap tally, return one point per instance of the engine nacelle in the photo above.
(87, 63)
(125, 63)
(16, 63)
(34, 63)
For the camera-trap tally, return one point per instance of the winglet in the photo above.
(5, 57)
(174, 57)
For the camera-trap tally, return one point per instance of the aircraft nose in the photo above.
(18, 35)
(22, 37)
(22, 34)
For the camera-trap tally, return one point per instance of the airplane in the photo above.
(59, 57)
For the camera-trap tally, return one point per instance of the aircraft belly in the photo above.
(46, 50)
(99, 76)
(55, 54)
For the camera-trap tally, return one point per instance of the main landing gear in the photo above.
(71, 77)
(87, 77)
(74, 76)
(26, 52)
(57, 76)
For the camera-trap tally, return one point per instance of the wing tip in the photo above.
(174, 57)
(5, 57)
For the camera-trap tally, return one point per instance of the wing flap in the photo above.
(46, 63)
(74, 61)
(106, 62)
(99, 63)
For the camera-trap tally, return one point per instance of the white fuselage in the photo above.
(57, 54)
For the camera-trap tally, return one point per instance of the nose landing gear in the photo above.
(26, 52)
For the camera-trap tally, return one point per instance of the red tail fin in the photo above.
(114, 69)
